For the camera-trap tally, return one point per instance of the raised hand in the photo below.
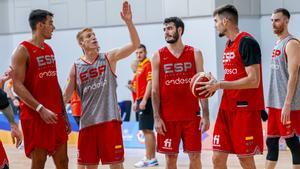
(126, 14)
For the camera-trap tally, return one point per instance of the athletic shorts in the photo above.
(101, 142)
(187, 131)
(3, 157)
(238, 132)
(38, 134)
(277, 129)
(146, 120)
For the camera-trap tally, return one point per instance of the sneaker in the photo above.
(146, 163)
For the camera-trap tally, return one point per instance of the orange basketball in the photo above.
(199, 77)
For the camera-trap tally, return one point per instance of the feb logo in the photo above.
(276, 53)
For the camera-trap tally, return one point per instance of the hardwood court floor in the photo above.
(19, 161)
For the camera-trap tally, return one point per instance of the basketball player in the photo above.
(44, 120)
(8, 113)
(176, 110)
(14, 101)
(132, 85)
(238, 128)
(144, 106)
(284, 91)
(93, 77)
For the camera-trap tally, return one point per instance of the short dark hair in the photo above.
(177, 21)
(38, 15)
(284, 11)
(143, 46)
(228, 11)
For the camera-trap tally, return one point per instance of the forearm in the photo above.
(155, 104)
(205, 109)
(291, 88)
(134, 37)
(9, 115)
(148, 91)
(26, 96)
(243, 83)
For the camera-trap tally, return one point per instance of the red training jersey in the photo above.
(236, 99)
(177, 103)
(41, 80)
(143, 75)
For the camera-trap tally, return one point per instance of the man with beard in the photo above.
(43, 116)
(93, 77)
(238, 128)
(284, 92)
(176, 110)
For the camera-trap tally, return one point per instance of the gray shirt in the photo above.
(96, 86)
(279, 78)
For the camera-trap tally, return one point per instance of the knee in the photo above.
(62, 162)
(294, 145)
(171, 161)
(218, 162)
(194, 157)
(247, 162)
(273, 148)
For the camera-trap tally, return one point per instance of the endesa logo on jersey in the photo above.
(92, 73)
(228, 56)
(276, 53)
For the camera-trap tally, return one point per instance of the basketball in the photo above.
(199, 77)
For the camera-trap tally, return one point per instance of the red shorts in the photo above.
(238, 132)
(188, 131)
(3, 157)
(101, 142)
(38, 134)
(277, 129)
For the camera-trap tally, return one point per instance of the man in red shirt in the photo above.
(176, 110)
(144, 106)
(238, 127)
(43, 116)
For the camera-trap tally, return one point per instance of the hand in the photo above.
(209, 87)
(143, 104)
(160, 126)
(285, 114)
(16, 135)
(48, 116)
(204, 124)
(126, 14)
(16, 102)
(135, 107)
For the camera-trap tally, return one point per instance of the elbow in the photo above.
(254, 82)
(136, 44)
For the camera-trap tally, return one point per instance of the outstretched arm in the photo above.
(125, 51)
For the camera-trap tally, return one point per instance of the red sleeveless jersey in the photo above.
(41, 80)
(234, 69)
(177, 102)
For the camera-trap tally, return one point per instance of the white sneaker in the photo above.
(146, 163)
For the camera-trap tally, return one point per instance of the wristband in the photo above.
(39, 107)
